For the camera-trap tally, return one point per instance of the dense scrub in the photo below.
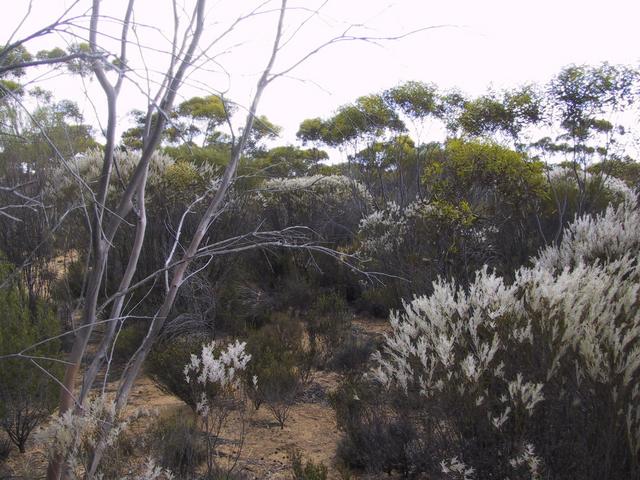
(536, 377)
(508, 267)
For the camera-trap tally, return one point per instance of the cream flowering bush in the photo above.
(419, 242)
(74, 435)
(334, 185)
(535, 378)
(603, 236)
(217, 376)
(559, 176)
(331, 205)
(222, 371)
(167, 179)
(382, 231)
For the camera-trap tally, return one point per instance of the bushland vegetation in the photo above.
(505, 257)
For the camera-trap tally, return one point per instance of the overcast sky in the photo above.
(484, 43)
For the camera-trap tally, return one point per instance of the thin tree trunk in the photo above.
(134, 365)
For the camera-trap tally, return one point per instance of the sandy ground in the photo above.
(310, 428)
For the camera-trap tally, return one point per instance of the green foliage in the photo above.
(464, 167)
(581, 92)
(80, 66)
(313, 130)
(279, 364)
(369, 116)
(214, 156)
(199, 117)
(351, 356)
(288, 161)
(178, 444)
(165, 365)
(53, 129)
(263, 129)
(379, 433)
(180, 180)
(495, 190)
(308, 470)
(13, 58)
(129, 339)
(378, 301)
(27, 394)
(625, 169)
(508, 114)
(211, 108)
(415, 99)
(12, 87)
(329, 321)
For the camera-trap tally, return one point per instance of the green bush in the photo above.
(308, 471)
(128, 341)
(178, 444)
(27, 394)
(379, 433)
(378, 301)
(328, 325)
(165, 366)
(352, 355)
(279, 363)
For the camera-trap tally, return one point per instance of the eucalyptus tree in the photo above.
(586, 105)
(355, 129)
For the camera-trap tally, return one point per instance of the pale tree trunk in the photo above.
(134, 365)
(104, 231)
(105, 223)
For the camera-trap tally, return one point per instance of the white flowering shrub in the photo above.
(424, 240)
(563, 177)
(329, 204)
(536, 378)
(87, 167)
(222, 370)
(382, 231)
(334, 185)
(604, 236)
(217, 376)
(73, 436)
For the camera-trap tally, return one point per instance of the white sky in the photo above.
(497, 43)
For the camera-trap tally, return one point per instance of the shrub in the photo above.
(308, 471)
(328, 325)
(27, 394)
(128, 341)
(5, 449)
(379, 432)
(165, 366)
(535, 378)
(216, 376)
(178, 445)
(278, 387)
(118, 456)
(378, 301)
(73, 436)
(353, 354)
(280, 365)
